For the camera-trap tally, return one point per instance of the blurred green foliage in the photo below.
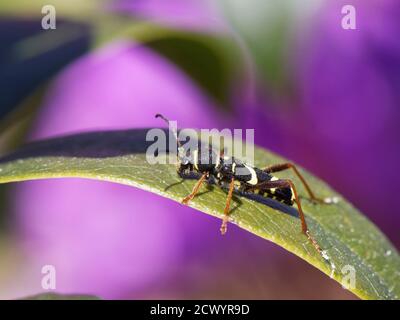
(347, 237)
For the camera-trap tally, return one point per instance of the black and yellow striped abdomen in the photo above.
(284, 195)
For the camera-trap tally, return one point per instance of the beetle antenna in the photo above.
(158, 115)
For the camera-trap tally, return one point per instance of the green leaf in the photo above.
(57, 296)
(271, 31)
(205, 58)
(348, 238)
(265, 27)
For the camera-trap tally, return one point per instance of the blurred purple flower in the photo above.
(188, 14)
(106, 238)
(350, 84)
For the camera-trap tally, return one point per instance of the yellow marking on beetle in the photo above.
(293, 197)
(196, 159)
(218, 161)
(273, 179)
(253, 181)
(233, 167)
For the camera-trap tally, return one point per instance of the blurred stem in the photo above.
(15, 126)
(43, 42)
(126, 27)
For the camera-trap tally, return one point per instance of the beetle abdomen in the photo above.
(284, 195)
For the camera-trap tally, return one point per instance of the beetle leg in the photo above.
(195, 190)
(286, 183)
(225, 219)
(288, 165)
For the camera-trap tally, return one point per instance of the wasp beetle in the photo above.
(236, 176)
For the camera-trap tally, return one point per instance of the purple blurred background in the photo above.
(335, 113)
